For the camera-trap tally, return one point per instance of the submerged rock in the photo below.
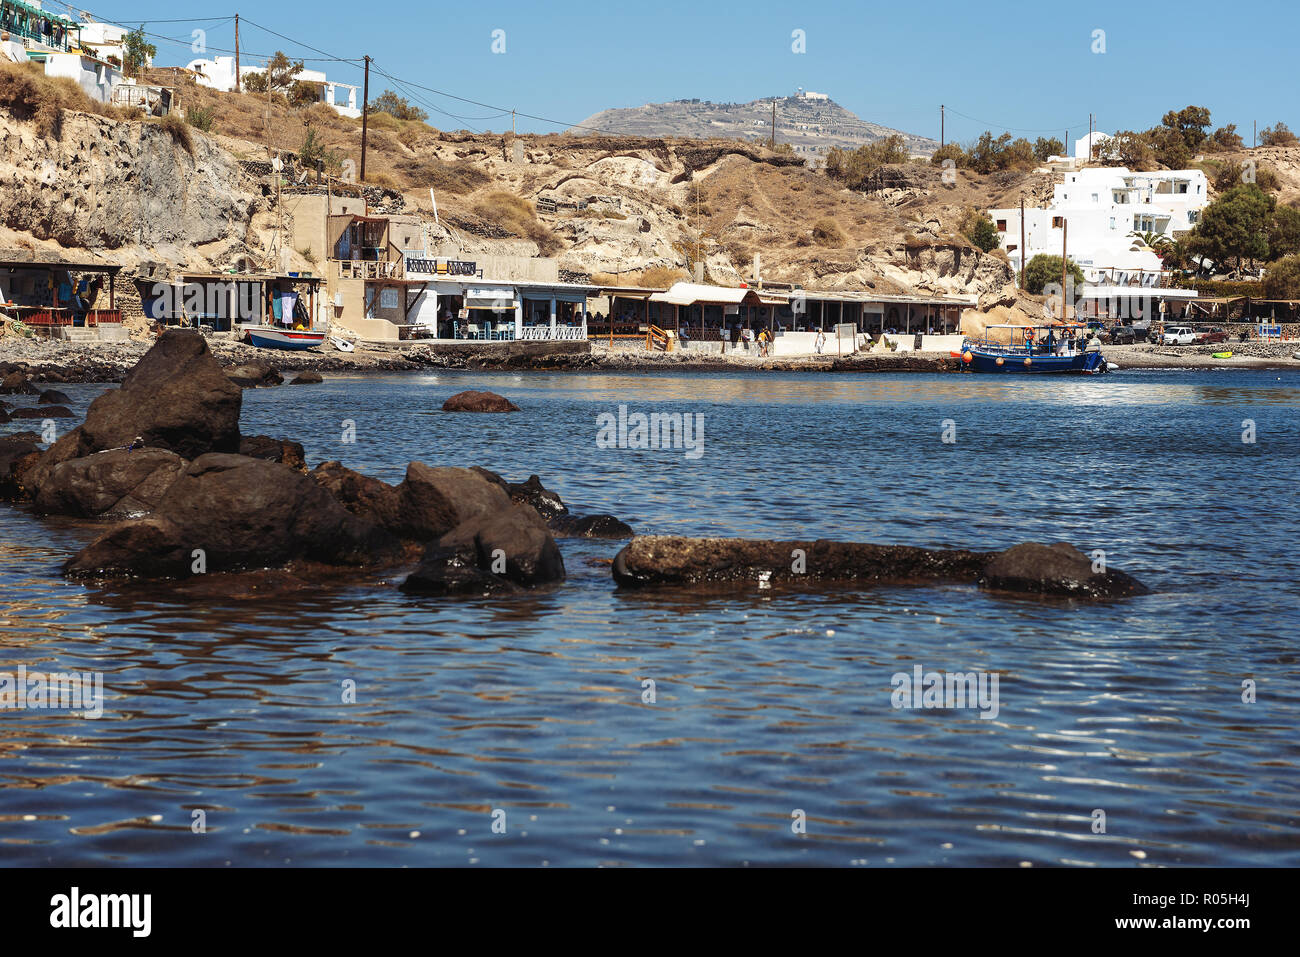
(673, 560)
(590, 526)
(1059, 569)
(454, 571)
(1030, 568)
(53, 397)
(471, 401)
(254, 374)
(231, 513)
(48, 412)
(274, 450)
(114, 484)
(16, 451)
(514, 543)
(307, 377)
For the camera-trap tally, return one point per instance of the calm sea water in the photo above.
(529, 712)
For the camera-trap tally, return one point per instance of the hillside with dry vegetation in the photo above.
(621, 209)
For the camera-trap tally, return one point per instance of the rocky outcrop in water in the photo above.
(689, 562)
(110, 485)
(470, 401)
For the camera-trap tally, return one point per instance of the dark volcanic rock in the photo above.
(116, 484)
(515, 543)
(471, 401)
(433, 501)
(237, 513)
(177, 397)
(670, 560)
(48, 412)
(53, 397)
(454, 571)
(590, 526)
(4, 416)
(16, 383)
(254, 374)
(1059, 569)
(531, 492)
(361, 495)
(274, 450)
(15, 451)
(307, 377)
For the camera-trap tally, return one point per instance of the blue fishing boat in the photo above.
(1032, 349)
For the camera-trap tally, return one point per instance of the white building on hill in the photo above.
(1108, 210)
(219, 74)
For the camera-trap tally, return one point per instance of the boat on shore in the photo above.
(1001, 352)
(270, 337)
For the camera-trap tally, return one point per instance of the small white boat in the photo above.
(341, 344)
(269, 337)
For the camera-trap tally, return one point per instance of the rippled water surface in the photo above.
(765, 704)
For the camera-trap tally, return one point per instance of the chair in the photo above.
(471, 330)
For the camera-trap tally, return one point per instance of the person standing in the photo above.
(821, 340)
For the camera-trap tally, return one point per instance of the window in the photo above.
(1112, 222)
(1194, 216)
(1181, 188)
(1012, 248)
(1058, 222)
(1094, 197)
(1002, 225)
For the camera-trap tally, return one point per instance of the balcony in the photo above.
(371, 269)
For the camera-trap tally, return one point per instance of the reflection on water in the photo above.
(763, 704)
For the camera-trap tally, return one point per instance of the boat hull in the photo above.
(1084, 363)
(292, 339)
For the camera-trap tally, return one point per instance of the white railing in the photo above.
(561, 332)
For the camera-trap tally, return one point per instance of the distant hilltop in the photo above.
(810, 122)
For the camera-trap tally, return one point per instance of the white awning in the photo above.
(499, 297)
(1129, 292)
(690, 293)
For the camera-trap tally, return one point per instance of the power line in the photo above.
(1015, 129)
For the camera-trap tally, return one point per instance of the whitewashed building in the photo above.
(1108, 211)
(218, 73)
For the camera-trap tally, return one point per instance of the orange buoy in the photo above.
(1028, 361)
(967, 357)
(1001, 360)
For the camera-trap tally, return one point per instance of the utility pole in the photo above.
(774, 124)
(1089, 137)
(1024, 253)
(1254, 133)
(512, 122)
(237, 53)
(365, 117)
(941, 118)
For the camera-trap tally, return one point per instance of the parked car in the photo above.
(1208, 336)
(1141, 330)
(1177, 336)
(1121, 335)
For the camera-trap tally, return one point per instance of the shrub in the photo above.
(519, 216)
(179, 131)
(201, 117)
(1043, 271)
(458, 176)
(661, 277)
(302, 94)
(852, 167)
(1234, 174)
(953, 152)
(1277, 136)
(383, 121)
(827, 232)
(397, 106)
(1282, 279)
(980, 229)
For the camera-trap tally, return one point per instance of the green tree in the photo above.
(1284, 232)
(1131, 150)
(1282, 278)
(397, 106)
(980, 229)
(1277, 136)
(852, 167)
(953, 152)
(1043, 271)
(985, 152)
(303, 94)
(1223, 139)
(1189, 124)
(1235, 226)
(137, 51)
(281, 71)
(1045, 148)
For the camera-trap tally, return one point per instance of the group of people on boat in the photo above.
(1069, 342)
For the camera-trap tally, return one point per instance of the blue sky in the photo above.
(1015, 66)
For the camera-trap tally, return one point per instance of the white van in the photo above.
(1177, 336)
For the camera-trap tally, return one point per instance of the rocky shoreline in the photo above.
(177, 494)
(57, 361)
